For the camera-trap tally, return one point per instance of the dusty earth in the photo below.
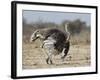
(33, 57)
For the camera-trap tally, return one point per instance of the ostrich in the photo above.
(53, 40)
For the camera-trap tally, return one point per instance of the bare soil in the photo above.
(34, 57)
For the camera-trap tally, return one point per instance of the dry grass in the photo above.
(81, 38)
(33, 57)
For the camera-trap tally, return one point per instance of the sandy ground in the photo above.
(33, 57)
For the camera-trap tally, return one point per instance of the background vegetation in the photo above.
(80, 31)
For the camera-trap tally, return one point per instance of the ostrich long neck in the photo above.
(68, 33)
(66, 27)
